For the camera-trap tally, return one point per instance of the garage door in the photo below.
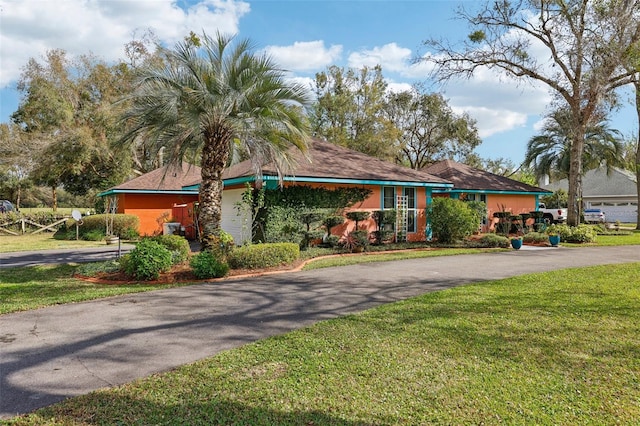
(623, 212)
(232, 222)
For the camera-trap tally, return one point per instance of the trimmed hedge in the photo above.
(124, 225)
(267, 255)
(494, 240)
(574, 234)
(535, 238)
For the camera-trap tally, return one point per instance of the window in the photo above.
(410, 193)
(388, 197)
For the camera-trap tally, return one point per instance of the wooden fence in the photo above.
(24, 229)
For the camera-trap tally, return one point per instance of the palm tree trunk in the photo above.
(215, 153)
(574, 208)
(637, 86)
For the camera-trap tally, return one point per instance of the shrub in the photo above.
(206, 265)
(263, 255)
(221, 244)
(124, 225)
(535, 238)
(494, 240)
(451, 220)
(93, 235)
(282, 224)
(148, 260)
(177, 245)
(580, 234)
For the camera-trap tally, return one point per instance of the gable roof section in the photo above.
(168, 179)
(325, 162)
(466, 178)
(596, 183)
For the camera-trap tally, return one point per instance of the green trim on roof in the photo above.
(244, 179)
(491, 191)
(147, 191)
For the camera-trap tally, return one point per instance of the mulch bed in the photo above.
(183, 274)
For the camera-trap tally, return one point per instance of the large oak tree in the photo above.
(585, 44)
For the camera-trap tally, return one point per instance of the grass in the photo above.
(38, 286)
(42, 241)
(558, 348)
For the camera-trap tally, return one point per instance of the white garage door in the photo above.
(622, 211)
(232, 222)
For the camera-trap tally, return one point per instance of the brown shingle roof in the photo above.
(466, 177)
(167, 178)
(329, 161)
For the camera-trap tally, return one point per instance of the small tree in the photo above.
(358, 217)
(451, 220)
(110, 210)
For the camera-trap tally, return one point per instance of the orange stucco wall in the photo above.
(152, 209)
(373, 203)
(516, 204)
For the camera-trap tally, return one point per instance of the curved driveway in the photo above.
(52, 353)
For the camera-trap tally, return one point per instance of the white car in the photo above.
(594, 216)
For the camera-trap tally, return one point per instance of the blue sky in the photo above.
(304, 37)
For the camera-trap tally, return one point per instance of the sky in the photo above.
(302, 36)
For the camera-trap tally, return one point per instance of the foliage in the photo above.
(356, 240)
(148, 260)
(177, 245)
(220, 244)
(573, 234)
(493, 240)
(556, 200)
(451, 220)
(304, 196)
(535, 238)
(549, 153)
(427, 130)
(358, 216)
(124, 225)
(582, 75)
(207, 265)
(258, 256)
(252, 106)
(349, 110)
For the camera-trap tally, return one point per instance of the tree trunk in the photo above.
(54, 195)
(215, 153)
(574, 209)
(637, 86)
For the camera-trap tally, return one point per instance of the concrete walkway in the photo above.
(52, 353)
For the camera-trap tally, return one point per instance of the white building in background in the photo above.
(616, 193)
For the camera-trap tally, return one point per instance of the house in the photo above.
(331, 166)
(615, 193)
(499, 193)
(153, 195)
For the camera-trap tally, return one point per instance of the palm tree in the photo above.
(549, 153)
(208, 96)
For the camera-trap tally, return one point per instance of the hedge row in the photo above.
(263, 255)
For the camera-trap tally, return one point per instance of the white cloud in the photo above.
(305, 55)
(491, 121)
(390, 57)
(103, 27)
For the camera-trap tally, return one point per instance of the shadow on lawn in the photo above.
(100, 409)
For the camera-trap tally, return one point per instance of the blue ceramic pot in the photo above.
(554, 240)
(516, 243)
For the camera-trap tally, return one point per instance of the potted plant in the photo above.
(516, 242)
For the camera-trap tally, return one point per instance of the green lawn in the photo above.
(558, 348)
(37, 286)
(42, 241)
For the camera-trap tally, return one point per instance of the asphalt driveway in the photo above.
(52, 353)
